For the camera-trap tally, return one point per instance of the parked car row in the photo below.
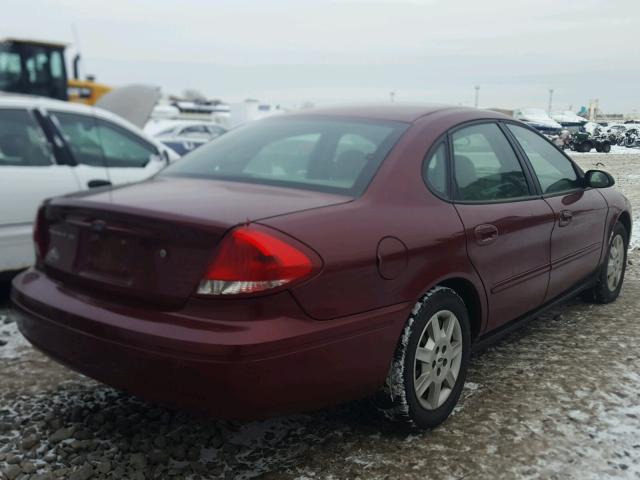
(585, 136)
(567, 130)
(184, 136)
(50, 148)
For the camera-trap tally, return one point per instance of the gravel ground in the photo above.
(559, 398)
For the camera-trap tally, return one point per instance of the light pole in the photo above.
(392, 96)
(550, 99)
(477, 87)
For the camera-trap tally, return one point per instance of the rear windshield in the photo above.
(330, 155)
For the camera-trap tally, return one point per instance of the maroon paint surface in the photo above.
(139, 326)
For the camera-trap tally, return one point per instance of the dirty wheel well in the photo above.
(469, 295)
(625, 219)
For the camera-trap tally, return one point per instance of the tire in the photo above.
(586, 147)
(611, 274)
(598, 147)
(606, 147)
(400, 399)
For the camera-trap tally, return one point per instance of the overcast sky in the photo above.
(330, 51)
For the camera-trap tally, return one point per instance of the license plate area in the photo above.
(108, 255)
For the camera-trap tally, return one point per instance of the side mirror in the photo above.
(598, 179)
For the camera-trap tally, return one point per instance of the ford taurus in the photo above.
(322, 256)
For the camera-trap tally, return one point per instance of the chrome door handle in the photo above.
(565, 218)
(485, 234)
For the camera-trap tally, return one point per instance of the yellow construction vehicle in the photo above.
(86, 91)
(38, 68)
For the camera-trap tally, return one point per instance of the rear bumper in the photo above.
(235, 369)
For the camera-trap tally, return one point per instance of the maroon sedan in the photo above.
(322, 256)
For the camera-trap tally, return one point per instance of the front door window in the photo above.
(486, 168)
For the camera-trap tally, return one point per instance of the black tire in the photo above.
(602, 291)
(598, 147)
(399, 400)
(606, 147)
(586, 147)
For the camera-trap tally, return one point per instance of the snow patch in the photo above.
(12, 343)
(615, 149)
(634, 241)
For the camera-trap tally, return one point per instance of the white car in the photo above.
(50, 148)
(183, 136)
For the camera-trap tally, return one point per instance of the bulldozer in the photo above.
(35, 67)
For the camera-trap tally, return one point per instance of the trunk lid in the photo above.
(152, 242)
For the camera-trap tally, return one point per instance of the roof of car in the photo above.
(13, 100)
(31, 101)
(34, 101)
(393, 112)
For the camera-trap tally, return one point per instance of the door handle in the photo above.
(565, 218)
(485, 234)
(98, 183)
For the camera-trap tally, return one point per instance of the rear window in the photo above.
(329, 155)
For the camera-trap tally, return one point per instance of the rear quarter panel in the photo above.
(396, 204)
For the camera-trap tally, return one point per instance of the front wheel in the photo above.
(612, 271)
(430, 363)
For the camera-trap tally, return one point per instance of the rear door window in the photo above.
(82, 136)
(99, 143)
(486, 169)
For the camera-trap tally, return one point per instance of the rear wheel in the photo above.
(606, 147)
(612, 271)
(430, 363)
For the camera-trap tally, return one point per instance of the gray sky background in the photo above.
(335, 51)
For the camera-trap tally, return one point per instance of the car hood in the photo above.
(131, 102)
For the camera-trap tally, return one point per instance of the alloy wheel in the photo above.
(615, 264)
(437, 361)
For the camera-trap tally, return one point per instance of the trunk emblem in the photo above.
(53, 256)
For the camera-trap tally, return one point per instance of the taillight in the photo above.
(253, 259)
(40, 234)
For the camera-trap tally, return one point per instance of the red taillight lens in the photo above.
(251, 260)
(40, 234)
